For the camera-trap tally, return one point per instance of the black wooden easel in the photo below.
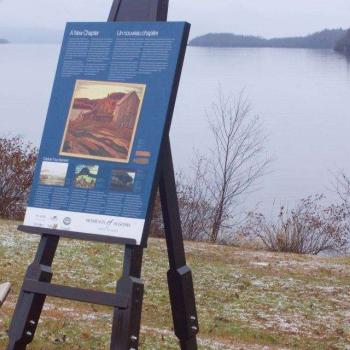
(127, 302)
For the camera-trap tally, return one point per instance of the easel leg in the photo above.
(29, 305)
(127, 322)
(179, 276)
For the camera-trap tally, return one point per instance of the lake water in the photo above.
(302, 98)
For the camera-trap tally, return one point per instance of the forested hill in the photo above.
(325, 39)
(343, 44)
(3, 41)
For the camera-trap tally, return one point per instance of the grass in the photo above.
(246, 299)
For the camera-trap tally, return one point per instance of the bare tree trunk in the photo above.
(217, 220)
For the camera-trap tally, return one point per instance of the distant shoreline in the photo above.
(4, 41)
(325, 39)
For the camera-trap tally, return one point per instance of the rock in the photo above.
(4, 291)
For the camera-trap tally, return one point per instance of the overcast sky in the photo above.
(262, 17)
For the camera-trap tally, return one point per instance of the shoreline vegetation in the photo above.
(343, 45)
(326, 39)
(4, 41)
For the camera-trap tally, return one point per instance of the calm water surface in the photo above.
(301, 96)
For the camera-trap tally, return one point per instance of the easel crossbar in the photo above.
(78, 294)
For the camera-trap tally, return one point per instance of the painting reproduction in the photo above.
(123, 180)
(102, 120)
(85, 176)
(53, 173)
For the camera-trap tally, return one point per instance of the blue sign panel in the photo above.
(106, 121)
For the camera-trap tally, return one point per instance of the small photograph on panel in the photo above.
(85, 176)
(53, 173)
(123, 180)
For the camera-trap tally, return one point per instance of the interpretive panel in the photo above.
(106, 121)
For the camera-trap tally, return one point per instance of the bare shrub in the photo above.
(310, 228)
(17, 161)
(195, 208)
(235, 163)
(342, 188)
(222, 176)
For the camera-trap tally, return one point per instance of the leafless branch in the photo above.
(236, 161)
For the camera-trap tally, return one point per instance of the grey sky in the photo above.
(262, 17)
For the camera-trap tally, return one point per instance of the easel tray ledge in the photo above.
(77, 235)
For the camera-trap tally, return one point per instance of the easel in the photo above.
(127, 302)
